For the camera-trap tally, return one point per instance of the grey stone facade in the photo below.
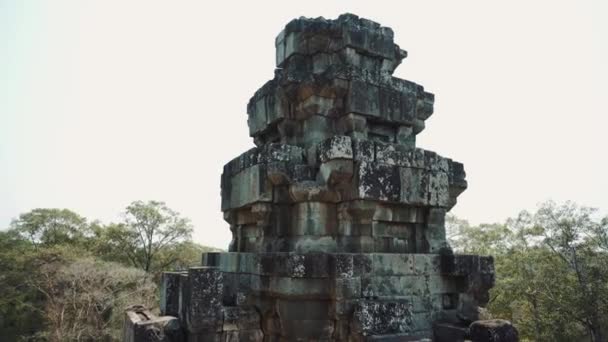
(337, 218)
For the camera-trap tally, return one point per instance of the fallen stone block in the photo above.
(143, 326)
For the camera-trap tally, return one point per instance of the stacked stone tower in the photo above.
(337, 218)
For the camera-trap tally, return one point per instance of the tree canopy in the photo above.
(65, 278)
(552, 270)
(51, 226)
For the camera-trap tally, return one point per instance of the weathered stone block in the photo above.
(246, 187)
(486, 265)
(276, 152)
(427, 263)
(363, 264)
(347, 288)
(205, 337)
(439, 194)
(311, 244)
(363, 150)
(394, 229)
(405, 137)
(315, 330)
(143, 326)
(378, 182)
(406, 337)
(336, 171)
(496, 330)
(249, 263)
(382, 317)
(391, 154)
(414, 186)
(298, 287)
(399, 213)
(393, 264)
(317, 105)
(363, 99)
(393, 245)
(449, 332)
(304, 309)
(356, 244)
(229, 262)
(313, 36)
(241, 318)
(313, 218)
(313, 191)
(395, 286)
(341, 265)
(459, 265)
(203, 300)
(251, 335)
(169, 294)
(348, 228)
(337, 147)
(183, 298)
(435, 230)
(211, 259)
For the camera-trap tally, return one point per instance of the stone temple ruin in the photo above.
(337, 217)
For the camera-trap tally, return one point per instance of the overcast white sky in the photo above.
(106, 102)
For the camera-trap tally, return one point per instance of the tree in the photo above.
(51, 226)
(181, 256)
(571, 234)
(551, 268)
(85, 299)
(20, 305)
(484, 239)
(148, 232)
(63, 293)
(63, 278)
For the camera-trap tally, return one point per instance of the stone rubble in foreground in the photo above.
(337, 218)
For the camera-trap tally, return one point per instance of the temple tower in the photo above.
(337, 218)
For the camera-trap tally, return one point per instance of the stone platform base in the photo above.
(324, 296)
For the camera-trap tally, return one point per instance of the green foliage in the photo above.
(149, 234)
(20, 312)
(552, 270)
(85, 299)
(182, 255)
(65, 279)
(51, 226)
(485, 239)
